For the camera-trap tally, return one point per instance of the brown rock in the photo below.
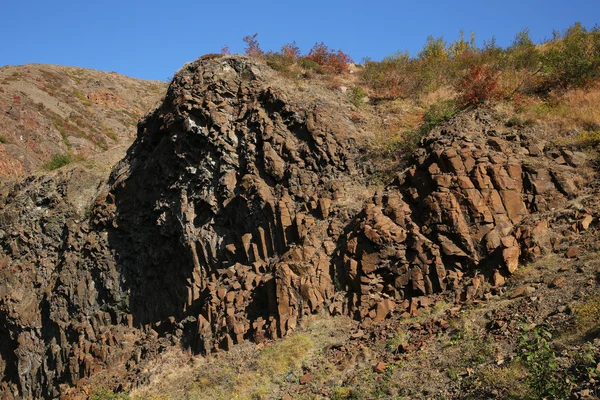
(498, 279)
(306, 378)
(585, 222)
(522, 291)
(383, 309)
(558, 282)
(573, 252)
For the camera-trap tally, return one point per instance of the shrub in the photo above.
(439, 112)
(390, 78)
(330, 59)
(522, 53)
(479, 85)
(57, 161)
(545, 378)
(357, 96)
(286, 57)
(434, 50)
(252, 47)
(290, 51)
(461, 47)
(588, 314)
(3, 140)
(309, 64)
(225, 50)
(574, 60)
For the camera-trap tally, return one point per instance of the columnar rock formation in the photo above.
(227, 222)
(470, 204)
(223, 205)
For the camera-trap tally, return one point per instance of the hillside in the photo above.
(292, 226)
(48, 111)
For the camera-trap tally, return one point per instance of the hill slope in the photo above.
(48, 110)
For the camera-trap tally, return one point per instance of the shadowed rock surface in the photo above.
(228, 221)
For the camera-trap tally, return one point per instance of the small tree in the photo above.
(225, 50)
(434, 50)
(290, 51)
(252, 47)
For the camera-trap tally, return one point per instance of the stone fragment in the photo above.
(380, 367)
(574, 252)
(306, 378)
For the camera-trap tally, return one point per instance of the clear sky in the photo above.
(152, 39)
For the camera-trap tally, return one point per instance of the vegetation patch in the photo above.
(58, 161)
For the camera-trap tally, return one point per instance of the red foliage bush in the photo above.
(290, 51)
(330, 59)
(479, 85)
(225, 50)
(252, 47)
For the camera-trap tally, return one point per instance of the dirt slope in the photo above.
(47, 110)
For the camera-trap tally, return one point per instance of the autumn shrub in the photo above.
(479, 85)
(330, 59)
(391, 78)
(225, 50)
(252, 48)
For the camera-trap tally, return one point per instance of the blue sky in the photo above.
(151, 39)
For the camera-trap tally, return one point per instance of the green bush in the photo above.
(390, 78)
(309, 64)
(546, 379)
(439, 112)
(357, 96)
(3, 140)
(574, 60)
(57, 161)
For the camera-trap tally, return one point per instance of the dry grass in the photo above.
(247, 371)
(576, 109)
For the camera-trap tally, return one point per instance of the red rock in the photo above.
(380, 367)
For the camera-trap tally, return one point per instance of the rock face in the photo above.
(223, 204)
(227, 222)
(472, 205)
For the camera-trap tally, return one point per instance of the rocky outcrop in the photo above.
(218, 226)
(232, 182)
(470, 208)
(228, 221)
